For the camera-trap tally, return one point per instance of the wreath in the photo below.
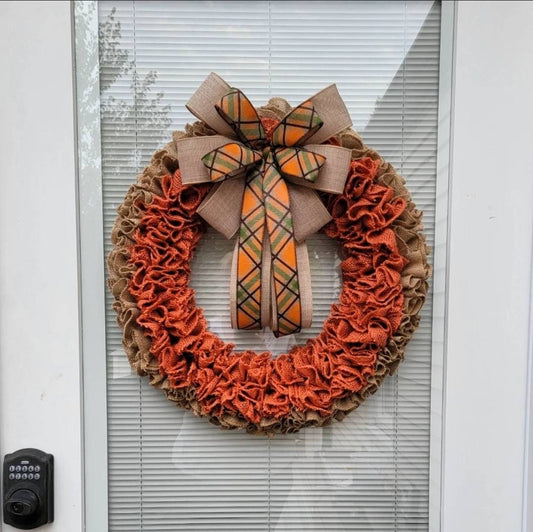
(371, 215)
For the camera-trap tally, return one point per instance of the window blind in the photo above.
(167, 469)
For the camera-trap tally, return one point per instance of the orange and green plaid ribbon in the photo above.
(266, 202)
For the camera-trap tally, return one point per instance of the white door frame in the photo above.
(92, 260)
(489, 285)
(40, 352)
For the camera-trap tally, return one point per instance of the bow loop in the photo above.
(297, 126)
(299, 163)
(230, 160)
(239, 113)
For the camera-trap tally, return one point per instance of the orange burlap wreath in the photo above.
(166, 336)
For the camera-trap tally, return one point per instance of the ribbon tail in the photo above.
(266, 283)
(247, 268)
(304, 279)
(286, 301)
(308, 212)
(221, 208)
(265, 311)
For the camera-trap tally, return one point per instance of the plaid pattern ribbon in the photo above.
(269, 169)
(266, 203)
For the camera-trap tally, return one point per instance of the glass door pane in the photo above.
(169, 470)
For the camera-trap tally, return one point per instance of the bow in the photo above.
(264, 190)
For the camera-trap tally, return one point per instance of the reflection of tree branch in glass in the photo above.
(139, 114)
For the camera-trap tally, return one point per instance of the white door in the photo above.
(40, 332)
(40, 386)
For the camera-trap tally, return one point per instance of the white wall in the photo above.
(490, 261)
(39, 334)
(490, 265)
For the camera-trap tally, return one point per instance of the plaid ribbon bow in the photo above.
(270, 271)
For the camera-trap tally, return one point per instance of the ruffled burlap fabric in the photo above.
(161, 344)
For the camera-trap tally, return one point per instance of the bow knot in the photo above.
(233, 158)
(269, 183)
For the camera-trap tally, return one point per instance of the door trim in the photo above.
(85, 20)
(92, 265)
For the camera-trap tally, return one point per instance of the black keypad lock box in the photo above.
(28, 494)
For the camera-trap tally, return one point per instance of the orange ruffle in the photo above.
(334, 365)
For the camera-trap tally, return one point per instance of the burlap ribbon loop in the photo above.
(264, 193)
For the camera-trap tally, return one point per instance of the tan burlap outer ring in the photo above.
(411, 241)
